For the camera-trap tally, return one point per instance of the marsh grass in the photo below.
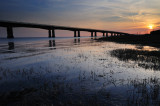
(145, 92)
(145, 59)
(55, 90)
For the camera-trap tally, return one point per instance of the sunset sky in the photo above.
(132, 16)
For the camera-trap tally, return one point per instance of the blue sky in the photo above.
(119, 15)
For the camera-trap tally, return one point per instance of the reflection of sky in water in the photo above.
(147, 48)
(72, 70)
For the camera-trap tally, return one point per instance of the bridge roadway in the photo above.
(51, 29)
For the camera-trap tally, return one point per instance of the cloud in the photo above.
(116, 19)
(87, 13)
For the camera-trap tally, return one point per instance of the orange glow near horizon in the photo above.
(150, 26)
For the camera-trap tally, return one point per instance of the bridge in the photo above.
(9, 25)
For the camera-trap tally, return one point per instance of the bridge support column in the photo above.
(75, 34)
(111, 34)
(103, 34)
(106, 34)
(10, 32)
(78, 33)
(53, 33)
(95, 34)
(91, 34)
(49, 33)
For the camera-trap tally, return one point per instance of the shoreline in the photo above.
(144, 40)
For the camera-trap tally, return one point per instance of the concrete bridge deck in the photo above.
(51, 29)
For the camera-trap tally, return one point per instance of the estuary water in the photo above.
(77, 71)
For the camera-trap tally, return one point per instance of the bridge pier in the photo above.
(49, 32)
(91, 34)
(53, 33)
(75, 34)
(111, 34)
(78, 33)
(115, 34)
(10, 32)
(95, 34)
(106, 34)
(103, 34)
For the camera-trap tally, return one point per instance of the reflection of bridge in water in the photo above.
(77, 40)
(10, 45)
(51, 43)
(51, 29)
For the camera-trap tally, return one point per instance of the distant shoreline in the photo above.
(145, 40)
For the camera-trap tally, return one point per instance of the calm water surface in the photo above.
(82, 71)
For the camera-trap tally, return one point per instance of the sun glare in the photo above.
(150, 26)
